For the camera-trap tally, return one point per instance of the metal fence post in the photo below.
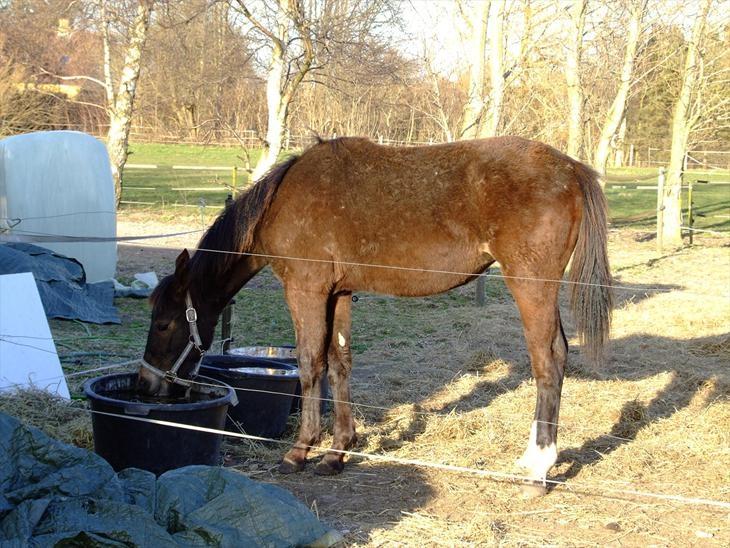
(228, 310)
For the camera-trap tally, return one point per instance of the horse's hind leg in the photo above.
(339, 366)
(538, 305)
(309, 313)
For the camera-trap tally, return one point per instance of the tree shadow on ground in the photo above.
(685, 384)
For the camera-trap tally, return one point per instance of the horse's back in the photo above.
(453, 207)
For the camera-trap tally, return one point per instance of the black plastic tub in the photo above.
(259, 412)
(158, 448)
(285, 354)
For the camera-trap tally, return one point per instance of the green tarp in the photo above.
(54, 494)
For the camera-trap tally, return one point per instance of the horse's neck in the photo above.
(235, 277)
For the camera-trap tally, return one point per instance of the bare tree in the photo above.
(576, 99)
(476, 18)
(687, 112)
(290, 39)
(497, 74)
(617, 111)
(436, 104)
(120, 101)
(197, 61)
(21, 108)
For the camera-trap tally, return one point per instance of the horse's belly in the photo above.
(406, 284)
(414, 271)
(394, 259)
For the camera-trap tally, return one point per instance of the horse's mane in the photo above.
(160, 290)
(235, 228)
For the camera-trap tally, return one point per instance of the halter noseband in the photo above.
(193, 342)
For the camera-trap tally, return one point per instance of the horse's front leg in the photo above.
(339, 366)
(537, 302)
(309, 314)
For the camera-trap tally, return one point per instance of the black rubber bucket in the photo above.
(285, 354)
(128, 443)
(259, 412)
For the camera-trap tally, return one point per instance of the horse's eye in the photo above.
(162, 326)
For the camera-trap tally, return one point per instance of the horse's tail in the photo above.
(591, 298)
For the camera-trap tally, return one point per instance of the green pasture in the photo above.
(182, 190)
(173, 188)
(636, 207)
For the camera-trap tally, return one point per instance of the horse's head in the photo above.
(181, 328)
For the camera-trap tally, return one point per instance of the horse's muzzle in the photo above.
(150, 384)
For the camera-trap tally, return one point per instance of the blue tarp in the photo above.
(54, 494)
(61, 283)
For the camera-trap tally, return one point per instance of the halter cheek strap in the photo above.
(193, 342)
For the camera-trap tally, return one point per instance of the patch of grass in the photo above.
(184, 154)
(261, 317)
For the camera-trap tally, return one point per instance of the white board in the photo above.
(28, 356)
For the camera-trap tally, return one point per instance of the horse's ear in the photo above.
(181, 267)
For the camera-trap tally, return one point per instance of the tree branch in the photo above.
(260, 26)
(78, 77)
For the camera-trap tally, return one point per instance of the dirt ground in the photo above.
(449, 382)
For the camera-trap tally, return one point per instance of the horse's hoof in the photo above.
(329, 467)
(533, 490)
(288, 466)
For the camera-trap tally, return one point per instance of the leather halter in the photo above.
(193, 342)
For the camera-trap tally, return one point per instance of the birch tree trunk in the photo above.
(617, 109)
(618, 156)
(120, 104)
(573, 79)
(681, 127)
(474, 107)
(276, 112)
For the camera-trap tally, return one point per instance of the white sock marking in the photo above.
(537, 460)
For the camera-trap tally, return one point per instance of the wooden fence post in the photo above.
(690, 220)
(660, 209)
(234, 181)
(481, 290)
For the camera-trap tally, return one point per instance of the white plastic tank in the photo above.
(59, 183)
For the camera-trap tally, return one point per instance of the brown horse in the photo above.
(349, 215)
